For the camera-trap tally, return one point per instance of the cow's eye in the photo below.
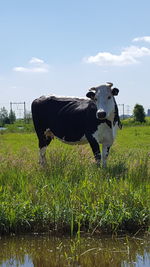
(109, 97)
(95, 98)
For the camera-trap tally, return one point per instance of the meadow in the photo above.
(71, 195)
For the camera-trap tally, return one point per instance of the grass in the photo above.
(131, 122)
(71, 194)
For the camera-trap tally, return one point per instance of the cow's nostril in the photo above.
(101, 114)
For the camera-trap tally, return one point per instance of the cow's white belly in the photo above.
(82, 141)
(104, 134)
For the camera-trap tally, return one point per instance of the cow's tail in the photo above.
(44, 135)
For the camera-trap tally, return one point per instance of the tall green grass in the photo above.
(71, 194)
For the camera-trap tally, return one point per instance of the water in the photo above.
(4, 128)
(46, 251)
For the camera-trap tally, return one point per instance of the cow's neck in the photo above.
(110, 120)
(111, 117)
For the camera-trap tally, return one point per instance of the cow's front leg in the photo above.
(95, 148)
(105, 153)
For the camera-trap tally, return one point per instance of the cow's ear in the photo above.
(115, 91)
(91, 94)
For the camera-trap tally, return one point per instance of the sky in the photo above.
(65, 47)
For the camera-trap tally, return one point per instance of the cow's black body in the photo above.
(67, 118)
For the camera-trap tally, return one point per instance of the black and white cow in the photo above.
(78, 120)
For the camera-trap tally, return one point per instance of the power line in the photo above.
(122, 110)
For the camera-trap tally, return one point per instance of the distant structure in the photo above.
(125, 116)
(148, 112)
(18, 105)
(122, 105)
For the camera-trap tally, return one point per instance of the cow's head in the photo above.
(103, 96)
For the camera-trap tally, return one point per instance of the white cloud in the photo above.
(128, 56)
(144, 38)
(34, 70)
(37, 65)
(35, 60)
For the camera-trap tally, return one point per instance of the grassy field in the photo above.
(71, 194)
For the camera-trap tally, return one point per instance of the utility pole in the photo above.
(128, 110)
(24, 104)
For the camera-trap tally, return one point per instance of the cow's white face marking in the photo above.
(105, 102)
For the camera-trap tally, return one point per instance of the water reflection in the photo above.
(46, 251)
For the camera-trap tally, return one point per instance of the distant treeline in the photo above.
(10, 117)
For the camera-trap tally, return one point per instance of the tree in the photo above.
(12, 116)
(139, 113)
(4, 119)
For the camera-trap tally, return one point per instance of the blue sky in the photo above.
(65, 47)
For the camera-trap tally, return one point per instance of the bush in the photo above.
(139, 113)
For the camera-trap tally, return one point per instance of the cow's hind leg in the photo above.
(44, 141)
(42, 158)
(105, 153)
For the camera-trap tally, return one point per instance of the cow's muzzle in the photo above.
(101, 115)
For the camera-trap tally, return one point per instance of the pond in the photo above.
(40, 250)
(3, 128)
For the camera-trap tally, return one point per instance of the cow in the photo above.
(76, 120)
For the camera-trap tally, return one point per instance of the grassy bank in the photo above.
(72, 194)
